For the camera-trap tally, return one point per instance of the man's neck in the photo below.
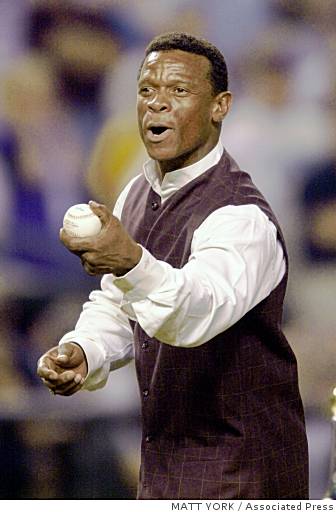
(166, 166)
(174, 180)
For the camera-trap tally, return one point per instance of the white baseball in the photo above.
(80, 221)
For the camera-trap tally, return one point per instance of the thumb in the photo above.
(65, 354)
(101, 211)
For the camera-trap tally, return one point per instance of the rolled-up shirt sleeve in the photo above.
(235, 262)
(104, 333)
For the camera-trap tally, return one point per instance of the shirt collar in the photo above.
(175, 180)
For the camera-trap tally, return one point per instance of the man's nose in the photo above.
(159, 103)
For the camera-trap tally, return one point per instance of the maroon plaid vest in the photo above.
(223, 420)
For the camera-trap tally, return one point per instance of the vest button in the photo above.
(145, 392)
(155, 205)
(144, 345)
(148, 439)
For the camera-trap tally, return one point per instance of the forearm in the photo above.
(188, 307)
(104, 333)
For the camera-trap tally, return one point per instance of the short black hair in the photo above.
(197, 45)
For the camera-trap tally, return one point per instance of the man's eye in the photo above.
(145, 91)
(180, 91)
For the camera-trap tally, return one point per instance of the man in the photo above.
(193, 287)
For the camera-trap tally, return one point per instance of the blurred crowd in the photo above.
(68, 133)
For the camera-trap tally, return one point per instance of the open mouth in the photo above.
(158, 133)
(157, 130)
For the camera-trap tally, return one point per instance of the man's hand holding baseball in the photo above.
(111, 251)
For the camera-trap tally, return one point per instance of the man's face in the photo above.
(175, 108)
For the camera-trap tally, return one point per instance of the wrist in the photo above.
(140, 281)
(131, 262)
(83, 355)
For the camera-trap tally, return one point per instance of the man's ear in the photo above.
(221, 106)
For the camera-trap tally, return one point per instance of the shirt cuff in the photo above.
(95, 357)
(141, 280)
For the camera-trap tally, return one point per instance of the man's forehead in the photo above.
(176, 61)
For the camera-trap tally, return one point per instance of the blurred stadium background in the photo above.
(67, 80)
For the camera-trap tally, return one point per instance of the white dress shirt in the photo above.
(235, 262)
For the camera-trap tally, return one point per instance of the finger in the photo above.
(66, 379)
(48, 383)
(77, 360)
(91, 265)
(46, 373)
(95, 270)
(90, 269)
(70, 390)
(46, 366)
(65, 354)
(56, 379)
(69, 387)
(101, 211)
(75, 244)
